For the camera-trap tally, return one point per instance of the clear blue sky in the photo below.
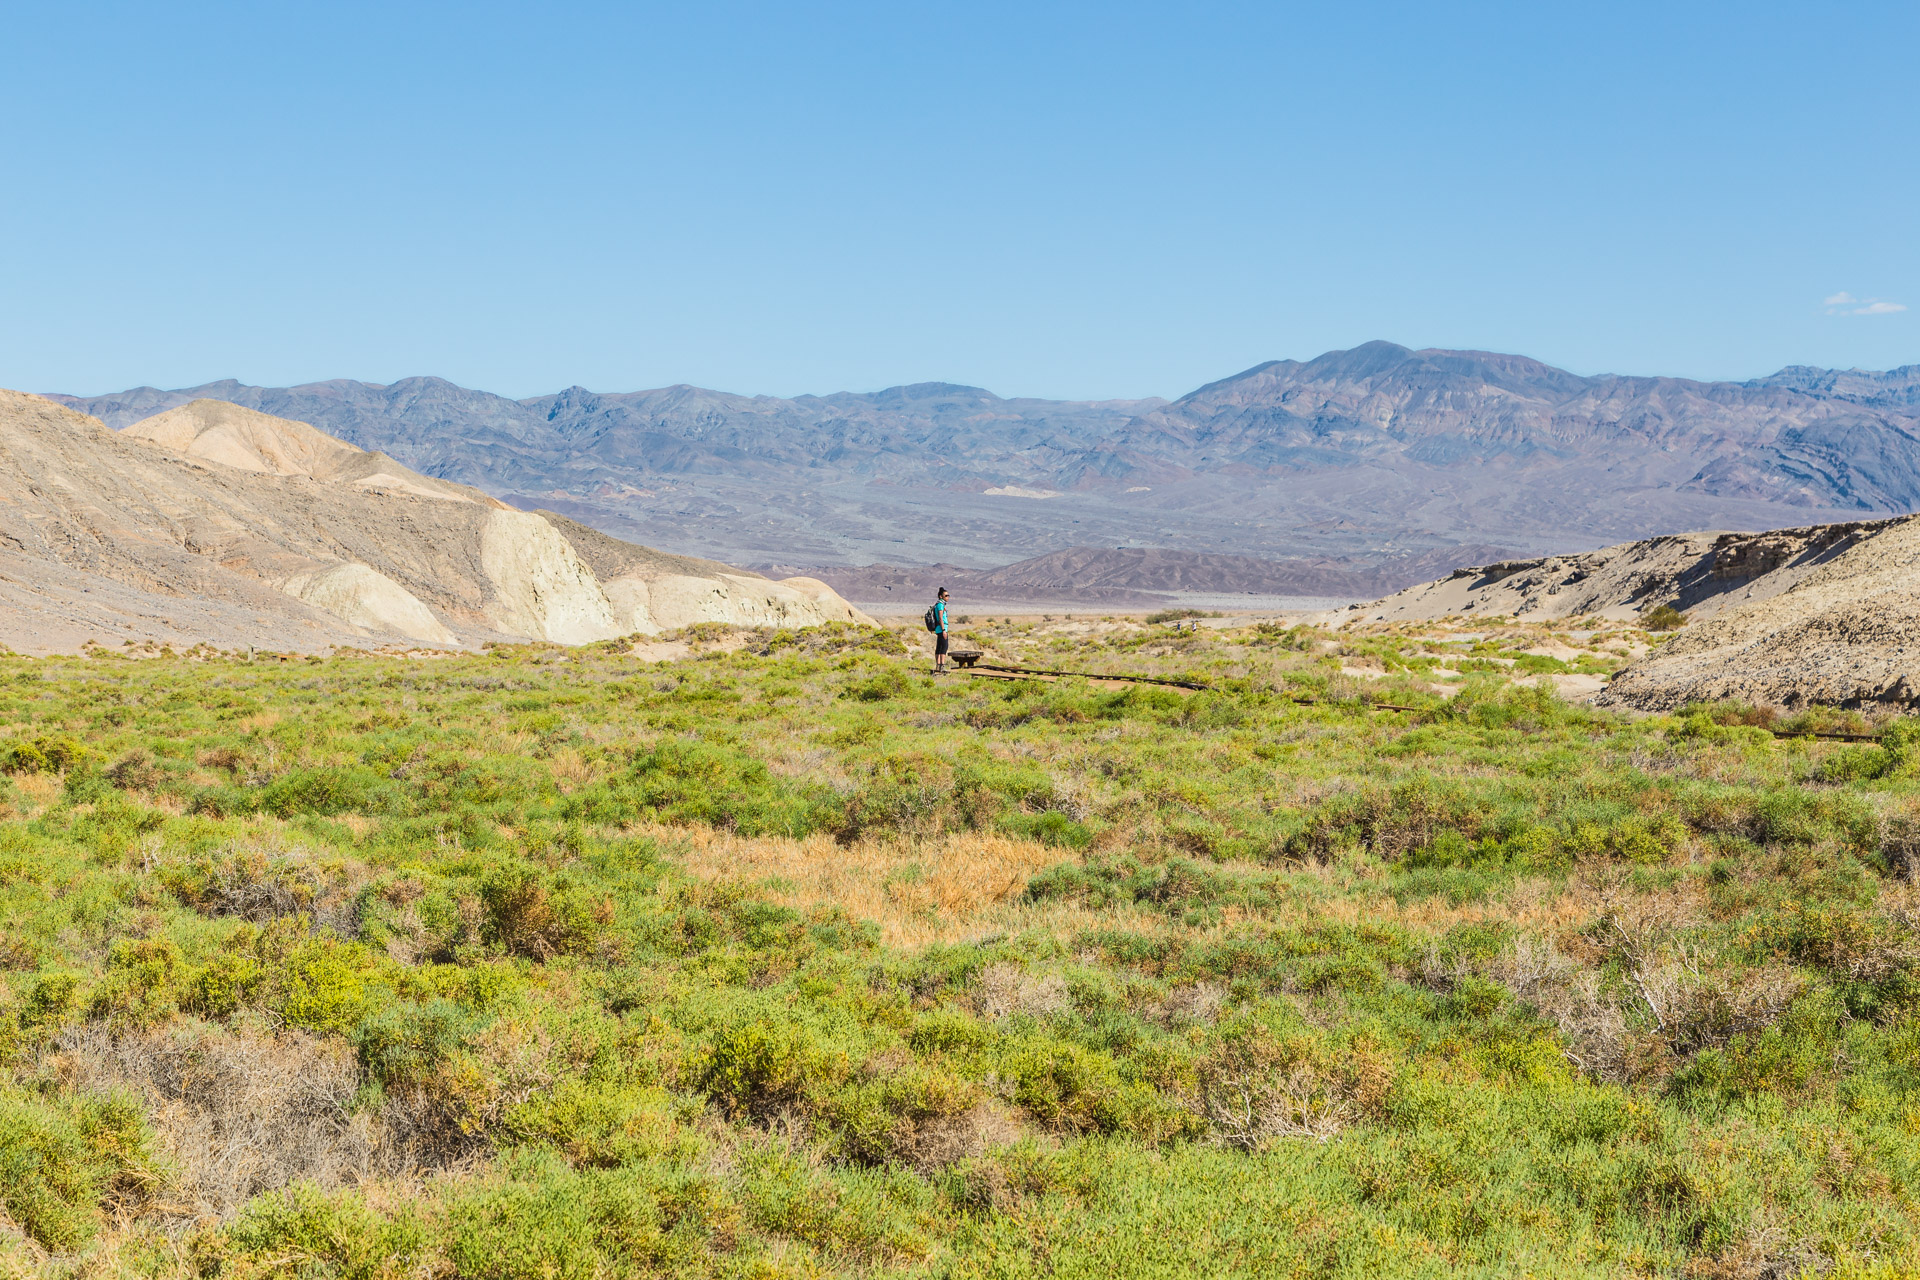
(1044, 199)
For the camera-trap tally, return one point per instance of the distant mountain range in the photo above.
(1379, 460)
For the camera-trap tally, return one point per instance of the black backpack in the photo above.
(933, 617)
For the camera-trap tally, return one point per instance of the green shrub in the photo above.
(144, 983)
(228, 983)
(695, 782)
(881, 687)
(55, 753)
(324, 791)
(949, 1031)
(1077, 1090)
(1855, 764)
(1663, 618)
(755, 1067)
(48, 1180)
(538, 914)
(333, 1233)
(58, 1160)
(602, 1124)
(319, 987)
(136, 771)
(554, 1227)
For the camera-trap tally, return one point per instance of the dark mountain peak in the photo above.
(332, 387)
(141, 392)
(1893, 386)
(220, 390)
(1387, 366)
(573, 400)
(1499, 369)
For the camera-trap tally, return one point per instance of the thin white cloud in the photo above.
(1845, 304)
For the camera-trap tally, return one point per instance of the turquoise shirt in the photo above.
(940, 612)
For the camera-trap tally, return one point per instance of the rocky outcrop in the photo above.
(1701, 574)
(215, 523)
(1844, 631)
(1826, 614)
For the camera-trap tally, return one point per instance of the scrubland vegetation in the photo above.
(788, 959)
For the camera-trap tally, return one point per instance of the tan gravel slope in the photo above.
(218, 524)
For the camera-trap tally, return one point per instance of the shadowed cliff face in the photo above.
(1355, 458)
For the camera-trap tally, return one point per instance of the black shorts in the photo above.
(939, 643)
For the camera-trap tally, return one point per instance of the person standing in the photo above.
(937, 623)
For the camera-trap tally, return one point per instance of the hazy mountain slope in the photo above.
(247, 440)
(1356, 458)
(216, 524)
(1452, 409)
(1895, 386)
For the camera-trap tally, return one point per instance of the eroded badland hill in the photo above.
(212, 523)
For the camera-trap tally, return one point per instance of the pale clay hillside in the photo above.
(215, 523)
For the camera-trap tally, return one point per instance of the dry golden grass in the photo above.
(240, 1113)
(949, 888)
(570, 769)
(38, 789)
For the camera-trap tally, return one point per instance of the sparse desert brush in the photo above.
(788, 958)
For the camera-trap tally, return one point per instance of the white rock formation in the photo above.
(363, 597)
(544, 589)
(669, 601)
